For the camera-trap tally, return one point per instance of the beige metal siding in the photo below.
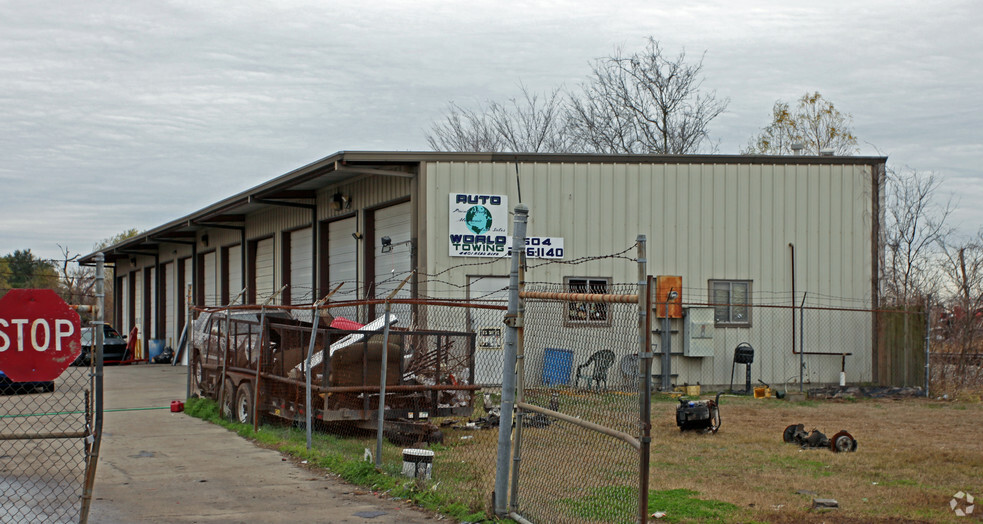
(210, 270)
(702, 221)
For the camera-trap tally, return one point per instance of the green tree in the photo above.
(4, 275)
(815, 124)
(28, 271)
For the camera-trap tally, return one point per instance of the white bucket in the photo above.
(842, 378)
(417, 463)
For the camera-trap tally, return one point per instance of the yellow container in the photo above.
(762, 392)
(693, 391)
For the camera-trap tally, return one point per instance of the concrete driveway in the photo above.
(162, 467)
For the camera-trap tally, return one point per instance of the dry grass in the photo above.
(913, 455)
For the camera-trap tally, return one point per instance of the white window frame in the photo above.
(727, 312)
(587, 313)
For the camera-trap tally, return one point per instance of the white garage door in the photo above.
(342, 259)
(234, 278)
(264, 270)
(301, 265)
(211, 290)
(152, 319)
(170, 303)
(392, 267)
(138, 310)
(124, 304)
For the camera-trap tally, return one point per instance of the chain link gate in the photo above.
(49, 437)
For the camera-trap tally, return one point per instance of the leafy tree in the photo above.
(115, 239)
(645, 102)
(815, 124)
(28, 271)
(4, 275)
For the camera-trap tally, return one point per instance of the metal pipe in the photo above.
(39, 436)
(802, 341)
(92, 460)
(500, 494)
(307, 366)
(620, 435)
(520, 395)
(645, 378)
(581, 297)
(928, 331)
(383, 372)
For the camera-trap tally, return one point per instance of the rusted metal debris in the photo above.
(841, 441)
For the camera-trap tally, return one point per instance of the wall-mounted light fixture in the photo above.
(133, 261)
(357, 236)
(387, 244)
(204, 240)
(340, 201)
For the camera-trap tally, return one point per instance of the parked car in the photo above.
(9, 386)
(113, 346)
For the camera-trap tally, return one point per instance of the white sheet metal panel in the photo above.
(264, 280)
(234, 278)
(212, 292)
(125, 322)
(488, 362)
(138, 311)
(301, 266)
(343, 258)
(170, 304)
(391, 268)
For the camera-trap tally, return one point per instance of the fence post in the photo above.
(645, 379)
(92, 460)
(928, 334)
(520, 385)
(500, 495)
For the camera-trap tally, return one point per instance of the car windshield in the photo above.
(107, 333)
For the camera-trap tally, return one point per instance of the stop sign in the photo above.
(40, 335)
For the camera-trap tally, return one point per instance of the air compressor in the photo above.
(699, 415)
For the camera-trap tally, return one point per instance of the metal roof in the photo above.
(298, 187)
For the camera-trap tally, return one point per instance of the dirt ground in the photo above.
(913, 456)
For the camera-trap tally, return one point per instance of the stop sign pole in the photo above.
(40, 335)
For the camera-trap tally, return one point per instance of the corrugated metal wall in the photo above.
(702, 221)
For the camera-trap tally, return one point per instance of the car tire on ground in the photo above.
(244, 404)
(198, 372)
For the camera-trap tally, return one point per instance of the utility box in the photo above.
(698, 332)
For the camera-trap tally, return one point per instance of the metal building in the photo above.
(735, 228)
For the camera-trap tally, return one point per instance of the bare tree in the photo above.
(644, 103)
(963, 272)
(916, 223)
(529, 123)
(815, 124)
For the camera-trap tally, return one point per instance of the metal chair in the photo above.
(602, 361)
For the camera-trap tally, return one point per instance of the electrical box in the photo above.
(698, 332)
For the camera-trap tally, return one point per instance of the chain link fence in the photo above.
(585, 367)
(43, 447)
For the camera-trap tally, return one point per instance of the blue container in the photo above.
(154, 348)
(557, 365)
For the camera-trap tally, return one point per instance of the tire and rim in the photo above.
(228, 401)
(199, 372)
(244, 404)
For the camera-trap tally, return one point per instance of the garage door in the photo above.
(234, 278)
(301, 266)
(124, 303)
(392, 267)
(342, 259)
(211, 290)
(264, 270)
(169, 301)
(138, 310)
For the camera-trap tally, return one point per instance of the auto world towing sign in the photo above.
(40, 335)
(478, 227)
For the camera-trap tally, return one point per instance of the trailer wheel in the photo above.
(244, 404)
(198, 372)
(228, 401)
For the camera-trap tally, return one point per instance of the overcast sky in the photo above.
(122, 114)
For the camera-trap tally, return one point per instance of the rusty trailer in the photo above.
(254, 362)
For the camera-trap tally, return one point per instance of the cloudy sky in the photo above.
(121, 114)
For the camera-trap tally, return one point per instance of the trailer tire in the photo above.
(244, 404)
(229, 400)
(198, 372)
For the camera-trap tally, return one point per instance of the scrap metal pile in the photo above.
(796, 434)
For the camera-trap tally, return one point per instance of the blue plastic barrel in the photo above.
(557, 366)
(154, 348)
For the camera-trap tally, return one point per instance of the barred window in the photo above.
(590, 313)
(731, 302)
